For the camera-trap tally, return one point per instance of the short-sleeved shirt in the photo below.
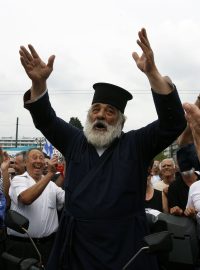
(194, 196)
(42, 213)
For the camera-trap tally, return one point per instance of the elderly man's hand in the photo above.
(146, 64)
(36, 69)
(146, 61)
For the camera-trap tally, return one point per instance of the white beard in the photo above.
(100, 138)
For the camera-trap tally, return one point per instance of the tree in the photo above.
(74, 121)
(160, 156)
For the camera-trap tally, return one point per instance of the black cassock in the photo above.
(103, 221)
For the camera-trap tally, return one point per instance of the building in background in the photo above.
(8, 144)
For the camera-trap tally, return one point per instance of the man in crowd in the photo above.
(188, 164)
(104, 220)
(37, 198)
(167, 173)
(19, 163)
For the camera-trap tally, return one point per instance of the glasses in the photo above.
(190, 172)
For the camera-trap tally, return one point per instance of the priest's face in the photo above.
(104, 123)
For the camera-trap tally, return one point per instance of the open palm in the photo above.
(145, 62)
(35, 68)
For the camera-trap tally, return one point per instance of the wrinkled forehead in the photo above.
(103, 106)
(167, 163)
(35, 153)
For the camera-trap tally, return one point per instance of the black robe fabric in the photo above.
(103, 222)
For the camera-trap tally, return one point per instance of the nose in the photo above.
(100, 115)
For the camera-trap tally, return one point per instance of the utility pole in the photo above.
(16, 138)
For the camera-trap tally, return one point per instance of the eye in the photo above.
(95, 110)
(110, 111)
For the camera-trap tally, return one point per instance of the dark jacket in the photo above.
(104, 222)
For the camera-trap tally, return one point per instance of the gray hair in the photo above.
(167, 159)
(22, 153)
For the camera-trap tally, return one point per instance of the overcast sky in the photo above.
(93, 41)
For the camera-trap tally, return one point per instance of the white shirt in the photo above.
(194, 201)
(42, 213)
(194, 196)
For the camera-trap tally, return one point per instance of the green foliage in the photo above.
(160, 156)
(74, 121)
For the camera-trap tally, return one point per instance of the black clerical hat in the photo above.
(111, 94)
(187, 158)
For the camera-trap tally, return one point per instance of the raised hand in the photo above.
(145, 62)
(52, 164)
(35, 68)
(193, 119)
(6, 161)
(159, 84)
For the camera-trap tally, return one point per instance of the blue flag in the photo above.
(48, 148)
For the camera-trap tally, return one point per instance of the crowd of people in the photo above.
(111, 176)
(32, 186)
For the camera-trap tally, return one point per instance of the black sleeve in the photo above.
(171, 122)
(61, 134)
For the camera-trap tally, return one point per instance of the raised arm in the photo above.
(36, 69)
(171, 119)
(186, 137)
(193, 119)
(146, 64)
